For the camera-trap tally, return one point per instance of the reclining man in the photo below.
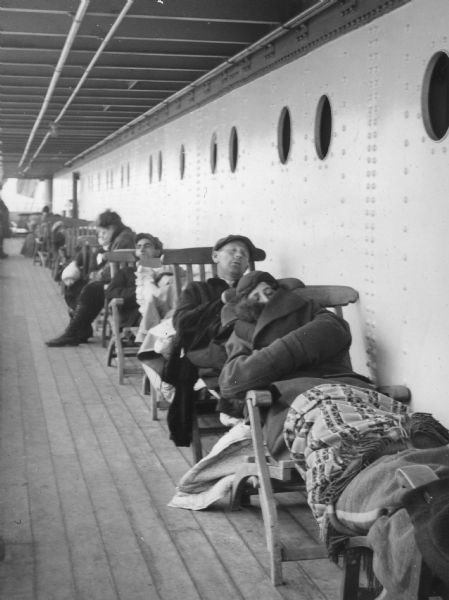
(347, 439)
(197, 321)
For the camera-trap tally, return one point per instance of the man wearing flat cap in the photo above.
(197, 320)
(197, 316)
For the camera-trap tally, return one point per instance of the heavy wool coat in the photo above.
(294, 346)
(293, 338)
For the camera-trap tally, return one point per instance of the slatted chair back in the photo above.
(195, 264)
(118, 259)
(88, 246)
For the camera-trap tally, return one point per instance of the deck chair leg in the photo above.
(351, 575)
(154, 399)
(145, 385)
(110, 352)
(196, 439)
(267, 501)
(120, 359)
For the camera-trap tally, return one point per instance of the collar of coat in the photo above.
(283, 303)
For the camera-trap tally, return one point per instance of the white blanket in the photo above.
(211, 478)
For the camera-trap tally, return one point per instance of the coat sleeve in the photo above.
(192, 306)
(311, 344)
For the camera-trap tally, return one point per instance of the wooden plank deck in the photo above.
(85, 477)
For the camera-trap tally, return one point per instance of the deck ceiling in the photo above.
(159, 47)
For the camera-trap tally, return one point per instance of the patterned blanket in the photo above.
(334, 431)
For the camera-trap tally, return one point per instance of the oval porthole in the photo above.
(435, 96)
(159, 165)
(284, 135)
(182, 161)
(150, 169)
(323, 127)
(233, 149)
(213, 153)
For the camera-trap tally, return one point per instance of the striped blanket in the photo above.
(334, 431)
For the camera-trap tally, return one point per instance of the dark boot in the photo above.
(63, 340)
(79, 329)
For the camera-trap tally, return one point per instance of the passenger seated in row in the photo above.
(112, 235)
(347, 439)
(200, 336)
(283, 340)
(145, 303)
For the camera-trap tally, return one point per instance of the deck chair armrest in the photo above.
(260, 398)
(401, 393)
(116, 302)
(413, 476)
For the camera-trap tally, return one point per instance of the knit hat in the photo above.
(249, 281)
(254, 253)
(428, 507)
(71, 272)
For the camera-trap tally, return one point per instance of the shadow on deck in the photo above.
(85, 477)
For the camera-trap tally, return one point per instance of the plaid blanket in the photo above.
(334, 431)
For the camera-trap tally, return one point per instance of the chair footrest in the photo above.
(305, 553)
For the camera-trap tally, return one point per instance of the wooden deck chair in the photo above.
(117, 349)
(188, 264)
(88, 246)
(116, 259)
(277, 476)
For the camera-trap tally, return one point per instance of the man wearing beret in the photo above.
(197, 320)
(283, 340)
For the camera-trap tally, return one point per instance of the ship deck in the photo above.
(86, 475)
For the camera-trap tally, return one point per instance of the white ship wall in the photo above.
(373, 214)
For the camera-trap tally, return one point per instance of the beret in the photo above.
(249, 281)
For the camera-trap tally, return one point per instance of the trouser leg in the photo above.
(89, 304)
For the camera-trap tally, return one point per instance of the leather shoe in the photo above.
(63, 340)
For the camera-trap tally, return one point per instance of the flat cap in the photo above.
(255, 253)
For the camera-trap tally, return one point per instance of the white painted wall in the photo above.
(374, 214)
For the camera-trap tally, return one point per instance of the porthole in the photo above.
(323, 127)
(159, 165)
(284, 135)
(150, 169)
(233, 149)
(435, 96)
(182, 161)
(213, 153)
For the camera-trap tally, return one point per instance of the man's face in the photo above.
(261, 293)
(145, 249)
(104, 236)
(232, 260)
